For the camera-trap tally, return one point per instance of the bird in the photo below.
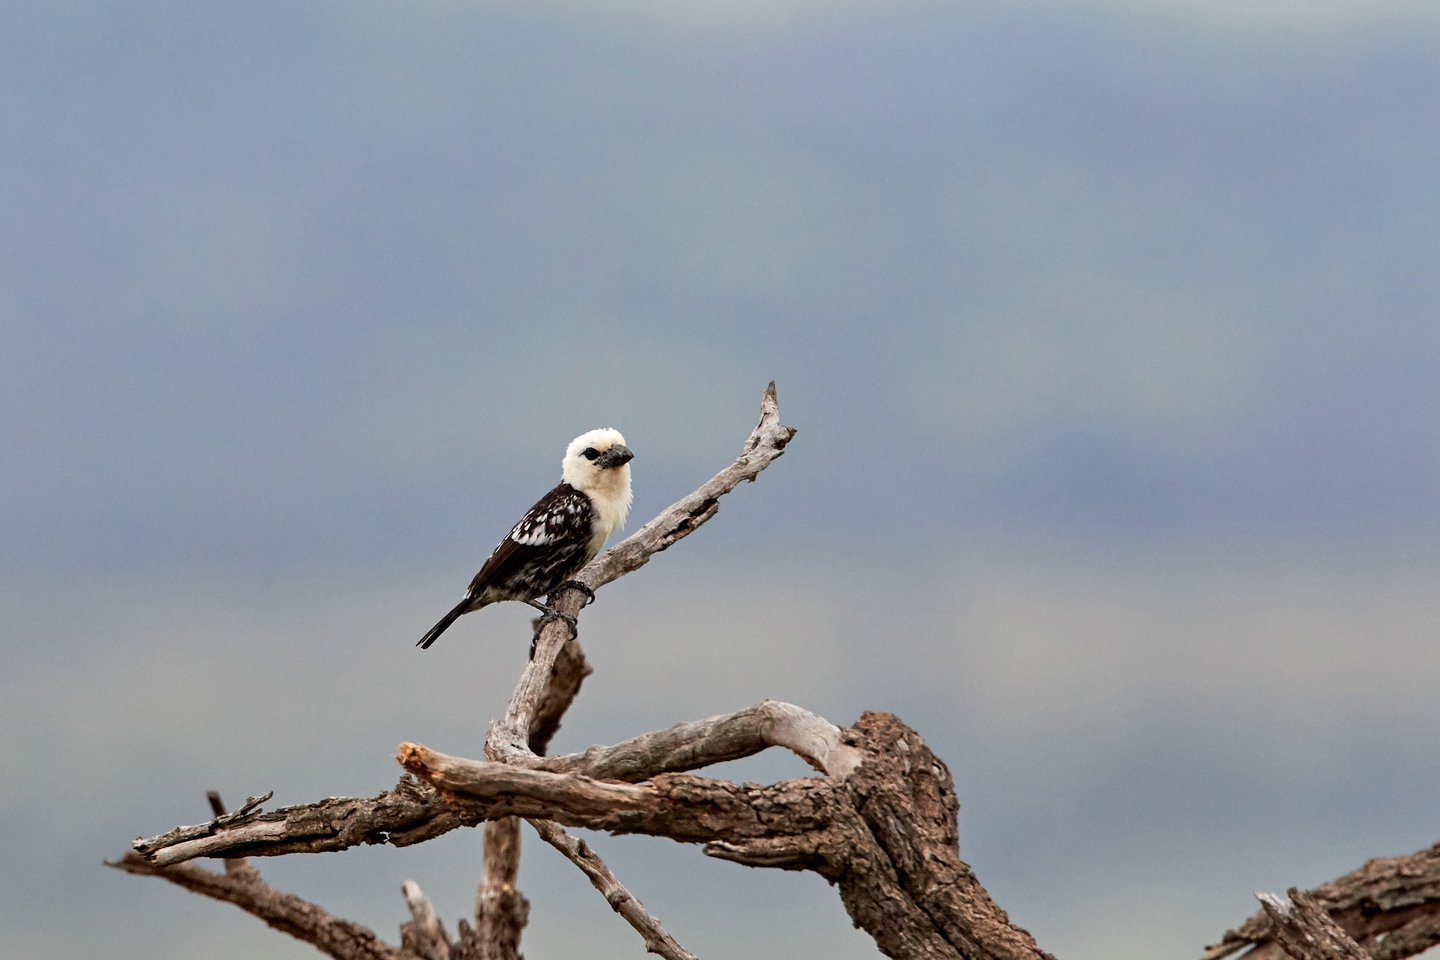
(559, 535)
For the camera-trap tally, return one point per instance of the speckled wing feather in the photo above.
(548, 546)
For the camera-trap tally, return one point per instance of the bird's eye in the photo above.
(590, 453)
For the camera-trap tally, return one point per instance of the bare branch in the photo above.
(509, 738)
(570, 670)
(699, 743)
(1390, 906)
(885, 834)
(622, 901)
(682, 518)
(501, 911)
(414, 812)
(1305, 931)
(234, 866)
(681, 807)
(424, 935)
(411, 813)
(479, 791)
(905, 876)
(249, 810)
(303, 920)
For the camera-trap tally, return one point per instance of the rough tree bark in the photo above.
(1390, 907)
(1303, 929)
(879, 822)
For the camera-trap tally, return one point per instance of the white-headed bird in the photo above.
(560, 534)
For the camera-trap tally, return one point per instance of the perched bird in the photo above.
(559, 535)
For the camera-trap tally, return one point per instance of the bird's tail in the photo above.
(462, 607)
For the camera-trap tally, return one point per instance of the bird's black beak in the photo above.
(616, 456)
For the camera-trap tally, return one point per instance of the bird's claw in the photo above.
(547, 614)
(577, 585)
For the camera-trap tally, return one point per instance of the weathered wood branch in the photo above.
(905, 877)
(241, 884)
(411, 813)
(509, 737)
(1305, 931)
(621, 900)
(569, 672)
(501, 910)
(679, 806)
(234, 866)
(1390, 907)
(682, 518)
(885, 833)
(414, 811)
(700, 743)
(249, 810)
(424, 935)
(341, 939)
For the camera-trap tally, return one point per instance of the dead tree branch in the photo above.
(570, 670)
(414, 809)
(622, 901)
(1305, 931)
(885, 833)
(1390, 907)
(501, 910)
(241, 885)
(341, 939)
(700, 743)
(424, 935)
(249, 810)
(234, 866)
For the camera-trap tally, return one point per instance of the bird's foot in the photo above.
(576, 585)
(547, 614)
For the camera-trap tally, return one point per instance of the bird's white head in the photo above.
(598, 463)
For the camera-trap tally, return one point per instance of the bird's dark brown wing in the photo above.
(547, 546)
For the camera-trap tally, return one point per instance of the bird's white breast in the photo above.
(611, 496)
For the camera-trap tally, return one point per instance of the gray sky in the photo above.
(1109, 329)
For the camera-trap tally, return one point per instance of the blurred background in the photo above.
(1109, 329)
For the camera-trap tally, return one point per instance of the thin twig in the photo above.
(622, 901)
